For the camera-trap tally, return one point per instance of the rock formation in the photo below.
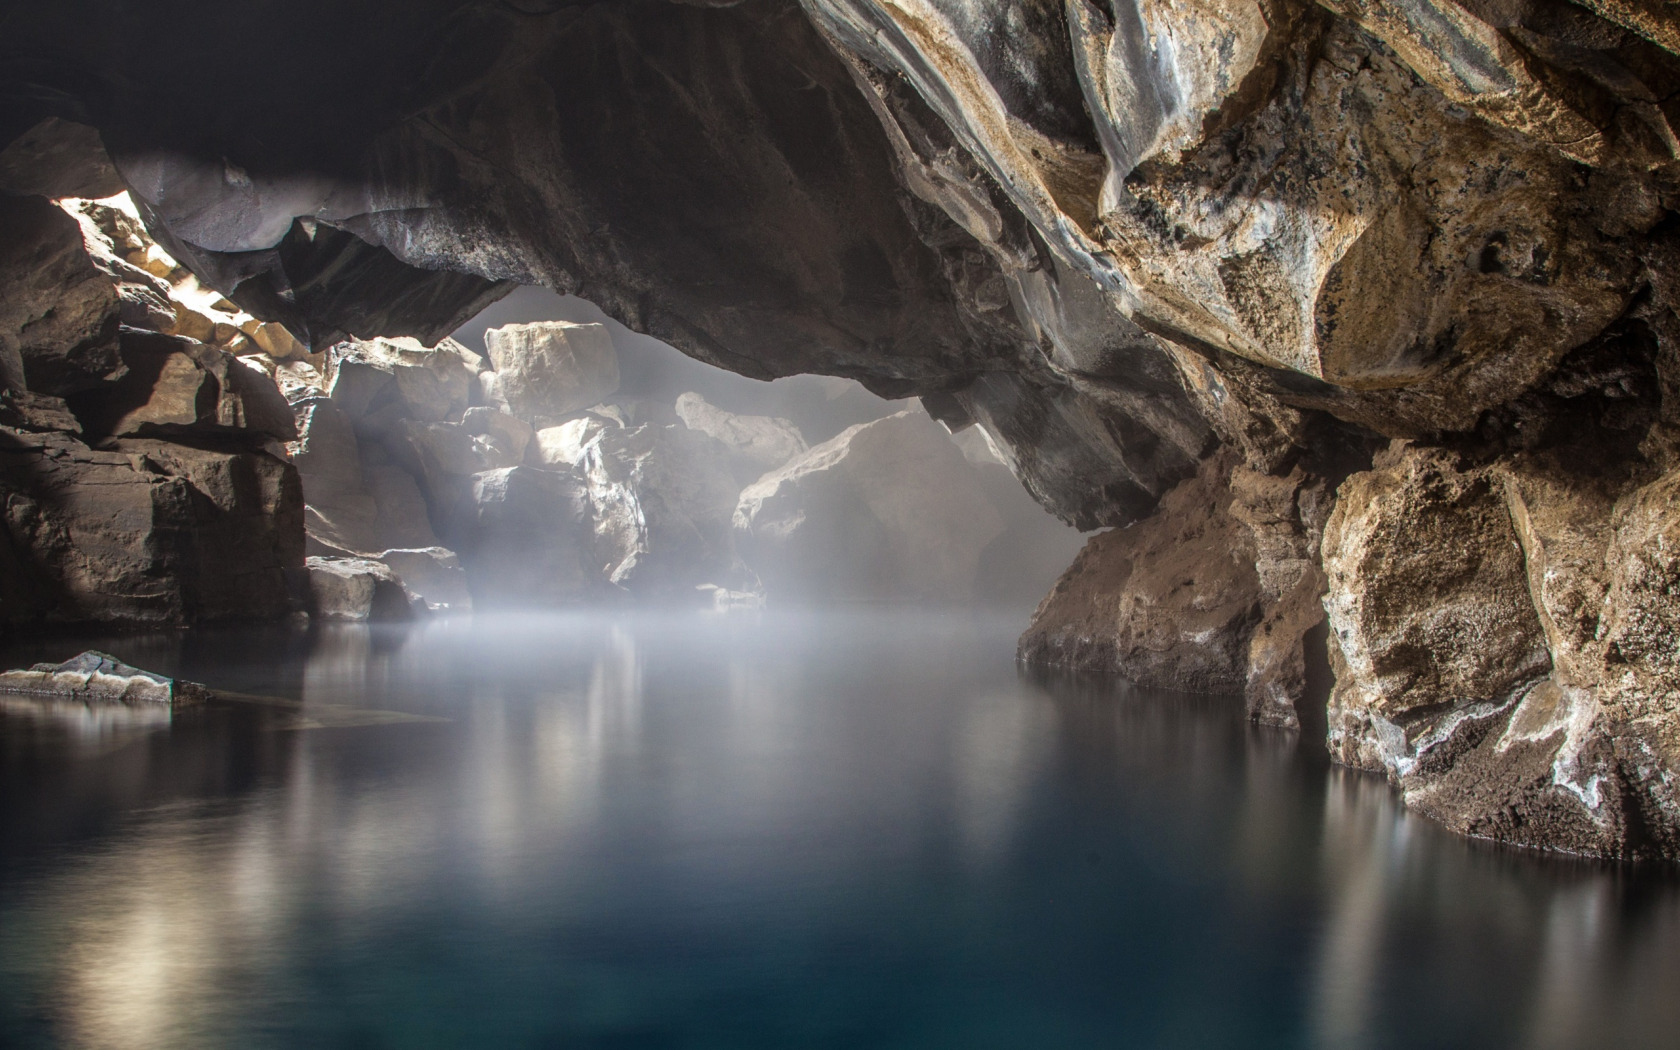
(886, 510)
(99, 678)
(1140, 244)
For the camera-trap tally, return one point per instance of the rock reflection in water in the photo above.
(852, 829)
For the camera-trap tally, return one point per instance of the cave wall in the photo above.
(1380, 289)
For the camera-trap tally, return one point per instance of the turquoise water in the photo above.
(849, 830)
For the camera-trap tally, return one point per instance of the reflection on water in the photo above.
(846, 830)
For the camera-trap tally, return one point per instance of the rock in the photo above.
(563, 446)
(1318, 228)
(1429, 608)
(178, 386)
(528, 539)
(358, 501)
(433, 575)
(550, 369)
(1504, 646)
(99, 678)
(1169, 602)
(58, 158)
(885, 510)
(663, 501)
(381, 381)
(356, 589)
(58, 311)
(505, 437)
(148, 532)
(756, 444)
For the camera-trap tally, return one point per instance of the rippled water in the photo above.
(850, 830)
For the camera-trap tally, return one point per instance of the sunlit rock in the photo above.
(380, 382)
(662, 498)
(756, 444)
(356, 589)
(180, 386)
(886, 510)
(433, 575)
(547, 370)
(563, 446)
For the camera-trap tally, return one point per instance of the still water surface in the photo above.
(849, 830)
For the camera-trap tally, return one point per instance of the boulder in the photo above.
(177, 386)
(356, 589)
(525, 539)
(563, 446)
(756, 444)
(1169, 602)
(60, 303)
(357, 500)
(663, 499)
(99, 678)
(885, 510)
(58, 158)
(550, 369)
(380, 382)
(146, 532)
(433, 575)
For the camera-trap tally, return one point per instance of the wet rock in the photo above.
(885, 510)
(550, 369)
(1169, 602)
(756, 444)
(663, 500)
(99, 678)
(356, 589)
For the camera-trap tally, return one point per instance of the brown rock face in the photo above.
(1171, 601)
(148, 532)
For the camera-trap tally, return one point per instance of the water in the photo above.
(852, 830)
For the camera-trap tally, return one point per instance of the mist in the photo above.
(547, 456)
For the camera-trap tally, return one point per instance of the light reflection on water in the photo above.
(860, 829)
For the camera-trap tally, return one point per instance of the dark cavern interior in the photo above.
(855, 523)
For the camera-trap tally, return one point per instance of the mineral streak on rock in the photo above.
(99, 678)
(1189, 265)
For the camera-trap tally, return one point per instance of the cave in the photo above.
(753, 522)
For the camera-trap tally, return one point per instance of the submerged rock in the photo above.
(888, 510)
(99, 678)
